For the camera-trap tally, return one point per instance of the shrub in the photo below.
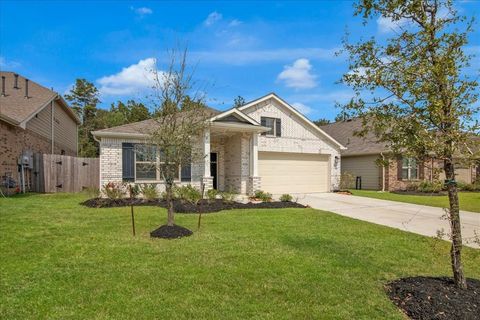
(212, 195)
(188, 193)
(133, 190)
(149, 191)
(412, 186)
(430, 186)
(92, 192)
(263, 196)
(228, 196)
(347, 181)
(286, 198)
(114, 190)
(466, 187)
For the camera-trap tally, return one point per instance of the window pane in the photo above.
(405, 162)
(145, 153)
(414, 173)
(145, 171)
(405, 173)
(270, 123)
(164, 168)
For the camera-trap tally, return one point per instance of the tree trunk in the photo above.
(454, 217)
(171, 213)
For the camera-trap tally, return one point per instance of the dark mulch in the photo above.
(417, 193)
(170, 232)
(435, 298)
(203, 206)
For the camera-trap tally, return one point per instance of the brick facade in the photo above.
(15, 140)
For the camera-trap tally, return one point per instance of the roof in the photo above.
(140, 127)
(343, 131)
(16, 109)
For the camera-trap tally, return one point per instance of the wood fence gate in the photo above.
(59, 173)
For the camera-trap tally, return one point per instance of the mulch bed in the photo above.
(203, 206)
(170, 232)
(435, 298)
(416, 193)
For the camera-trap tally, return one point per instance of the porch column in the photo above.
(207, 179)
(254, 182)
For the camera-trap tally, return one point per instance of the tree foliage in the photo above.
(238, 102)
(321, 122)
(412, 91)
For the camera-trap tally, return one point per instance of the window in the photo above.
(149, 165)
(274, 124)
(145, 162)
(409, 169)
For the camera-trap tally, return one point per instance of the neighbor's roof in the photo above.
(16, 109)
(343, 132)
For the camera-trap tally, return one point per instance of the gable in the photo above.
(294, 123)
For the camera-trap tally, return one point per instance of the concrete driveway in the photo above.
(414, 218)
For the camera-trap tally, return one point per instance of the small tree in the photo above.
(426, 105)
(179, 123)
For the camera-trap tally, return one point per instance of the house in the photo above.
(33, 119)
(362, 156)
(265, 144)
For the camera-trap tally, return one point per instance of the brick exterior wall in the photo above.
(15, 140)
(297, 136)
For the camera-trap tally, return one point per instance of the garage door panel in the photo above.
(293, 172)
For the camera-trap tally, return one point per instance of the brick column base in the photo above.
(254, 184)
(207, 183)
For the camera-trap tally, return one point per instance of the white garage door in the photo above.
(293, 172)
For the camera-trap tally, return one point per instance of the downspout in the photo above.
(53, 126)
(383, 171)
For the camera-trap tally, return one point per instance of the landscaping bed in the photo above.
(435, 298)
(203, 206)
(418, 193)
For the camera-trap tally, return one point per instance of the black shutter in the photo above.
(186, 172)
(278, 127)
(128, 162)
(399, 168)
(263, 122)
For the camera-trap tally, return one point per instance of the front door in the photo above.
(213, 168)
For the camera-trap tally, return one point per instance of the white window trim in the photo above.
(409, 168)
(273, 132)
(158, 164)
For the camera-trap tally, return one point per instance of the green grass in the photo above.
(469, 201)
(63, 261)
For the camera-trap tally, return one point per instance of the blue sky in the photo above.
(239, 48)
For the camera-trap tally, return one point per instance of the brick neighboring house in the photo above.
(360, 159)
(33, 119)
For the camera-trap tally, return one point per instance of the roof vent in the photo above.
(26, 88)
(3, 86)
(15, 83)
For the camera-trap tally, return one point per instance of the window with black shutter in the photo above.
(128, 162)
(186, 172)
(274, 124)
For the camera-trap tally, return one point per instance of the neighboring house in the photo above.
(265, 144)
(33, 119)
(361, 158)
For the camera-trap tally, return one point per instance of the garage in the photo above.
(293, 172)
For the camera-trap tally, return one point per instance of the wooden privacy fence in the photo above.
(59, 173)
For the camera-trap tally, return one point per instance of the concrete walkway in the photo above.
(414, 218)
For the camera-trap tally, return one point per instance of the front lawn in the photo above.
(469, 201)
(61, 260)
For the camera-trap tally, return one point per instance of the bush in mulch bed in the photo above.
(170, 232)
(435, 298)
(418, 193)
(203, 206)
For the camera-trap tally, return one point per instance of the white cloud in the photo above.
(142, 11)
(8, 64)
(135, 78)
(386, 24)
(234, 23)
(212, 18)
(298, 75)
(301, 107)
